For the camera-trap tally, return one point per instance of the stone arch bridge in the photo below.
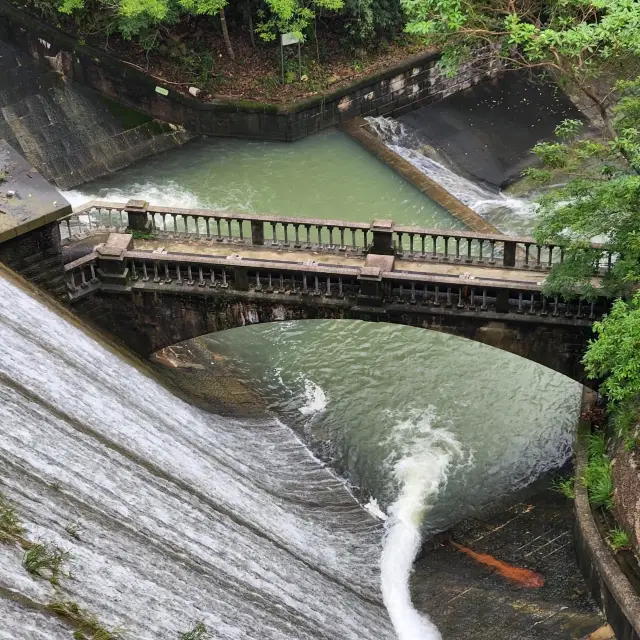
(155, 276)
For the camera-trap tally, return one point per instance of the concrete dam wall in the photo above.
(67, 132)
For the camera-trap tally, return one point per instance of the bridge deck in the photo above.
(480, 273)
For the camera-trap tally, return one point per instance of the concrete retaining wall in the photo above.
(407, 86)
(606, 581)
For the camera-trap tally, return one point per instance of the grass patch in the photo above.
(565, 487)
(619, 539)
(45, 561)
(199, 632)
(142, 235)
(89, 627)
(11, 529)
(624, 419)
(597, 477)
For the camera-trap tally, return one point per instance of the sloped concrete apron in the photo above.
(606, 581)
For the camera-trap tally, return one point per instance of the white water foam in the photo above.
(422, 458)
(482, 199)
(168, 194)
(316, 399)
(374, 509)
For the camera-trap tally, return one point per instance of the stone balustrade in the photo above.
(315, 234)
(127, 269)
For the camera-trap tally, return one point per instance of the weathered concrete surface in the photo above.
(67, 132)
(626, 480)
(27, 200)
(606, 580)
(488, 130)
(469, 602)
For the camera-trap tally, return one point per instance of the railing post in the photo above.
(137, 215)
(509, 259)
(257, 232)
(112, 266)
(382, 237)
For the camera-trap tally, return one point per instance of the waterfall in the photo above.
(182, 515)
(481, 198)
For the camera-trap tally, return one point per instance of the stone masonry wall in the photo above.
(397, 90)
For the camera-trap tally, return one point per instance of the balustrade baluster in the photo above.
(179, 275)
(330, 237)
(218, 231)
(212, 278)
(340, 294)
(167, 277)
(316, 291)
(411, 243)
(224, 284)
(400, 248)
(539, 256)
(531, 304)
(229, 234)
(366, 242)
(197, 222)
(185, 220)
(353, 239)
(609, 260)
(304, 283)
(328, 293)
(413, 292)
(69, 228)
(480, 257)
(270, 285)
(460, 304)
(109, 218)
(189, 276)
(446, 248)
(436, 297)
(400, 292)
(550, 262)
(258, 283)
(579, 313)
(134, 275)
(543, 309)
(145, 277)
(343, 246)
(71, 281)
(156, 276)
(240, 230)
(425, 295)
(591, 313)
(449, 302)
(423, 239)
(519, 302)
(281, 290)
(434, 251)
(164, 222)
(319, 228)
(527, 247)
(555, 306)
(468, 258)
(308, 230)
(206, 222)
(201, 281)
(296, 228)
(285, 226)
(492, 258)
(457, 258)
(484, 307)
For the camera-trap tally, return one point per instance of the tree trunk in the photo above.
(253, 42)
(225, 34)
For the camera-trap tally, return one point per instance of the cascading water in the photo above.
(514, 214)
(185, 516)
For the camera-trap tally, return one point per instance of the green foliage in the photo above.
(597, 477)
(615, 354)
(45, 561)
(89, 627)
(199, 632)
(619, 539)
(565, 487)
(11, 529)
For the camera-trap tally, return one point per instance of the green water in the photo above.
(366, 396)
(327, 176)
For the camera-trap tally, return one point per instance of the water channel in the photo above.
(425, 427)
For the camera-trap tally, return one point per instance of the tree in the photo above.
(577, 40)
(600, 199)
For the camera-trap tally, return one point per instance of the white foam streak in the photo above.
(316, 399)
(169, 194)
(423, 458)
